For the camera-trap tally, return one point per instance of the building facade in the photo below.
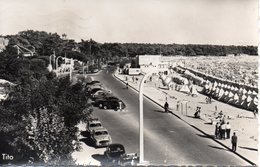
(156, 63)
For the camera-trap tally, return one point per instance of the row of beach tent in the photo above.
(239, 97)
(180, 83)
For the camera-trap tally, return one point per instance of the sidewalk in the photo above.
(245, 126)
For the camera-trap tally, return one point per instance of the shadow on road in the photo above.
(219, 148)
(101, 158)
(191, 116)
(88, 142)
(163, 88)
(85, 134)
(159, 111)
(206, 136)
(248, 148)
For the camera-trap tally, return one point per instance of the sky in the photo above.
(220, 22)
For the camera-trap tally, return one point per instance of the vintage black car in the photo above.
(110, 104)
(116, 155)
(93, 82)
(105, 96)
(114, 152)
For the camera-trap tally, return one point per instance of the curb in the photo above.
(207, 135)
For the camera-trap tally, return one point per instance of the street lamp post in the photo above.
(141, 120)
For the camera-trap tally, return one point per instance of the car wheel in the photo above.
(105, 107)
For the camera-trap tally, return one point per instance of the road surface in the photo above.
(167, 139)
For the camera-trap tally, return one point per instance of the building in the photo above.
(3, 43)
(5, 88)
(156, 63)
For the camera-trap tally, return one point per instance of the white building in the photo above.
(3, 43)
(156, 63)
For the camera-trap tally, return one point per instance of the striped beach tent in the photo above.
(244, 91)
(221, 93)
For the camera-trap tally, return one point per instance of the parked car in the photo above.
(100, 137)
(107, 96)
(93, 82)
(100, 95)
(111, 104)
(92, 125)
(116, 154)
(94, 90)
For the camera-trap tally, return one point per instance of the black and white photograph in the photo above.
(129, 82)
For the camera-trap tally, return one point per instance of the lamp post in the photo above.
(141, 120)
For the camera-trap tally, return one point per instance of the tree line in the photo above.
(86, 50)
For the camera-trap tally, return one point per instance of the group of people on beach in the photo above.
(223, 128)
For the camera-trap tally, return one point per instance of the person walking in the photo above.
(234, 142)
(228, 129)
(166, 106)
(126, 85)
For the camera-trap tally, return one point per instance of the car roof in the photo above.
(100, 129)
(94, 121)
(116, 145)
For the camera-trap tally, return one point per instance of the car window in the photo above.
(95, 125)
(101, 133)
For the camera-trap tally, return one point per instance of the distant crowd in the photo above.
(232, 69)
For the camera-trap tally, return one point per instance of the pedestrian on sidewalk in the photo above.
(197, 113)
(234, 142)
(166, 106)
(178, 105)
(228, 129)
(255, 112)
(223, 131)
(217, 128)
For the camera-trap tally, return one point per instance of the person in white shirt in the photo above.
(228, 129)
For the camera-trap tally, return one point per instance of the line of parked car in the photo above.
(115, 153)
(103, 98)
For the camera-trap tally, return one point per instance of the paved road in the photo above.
(168, 140)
